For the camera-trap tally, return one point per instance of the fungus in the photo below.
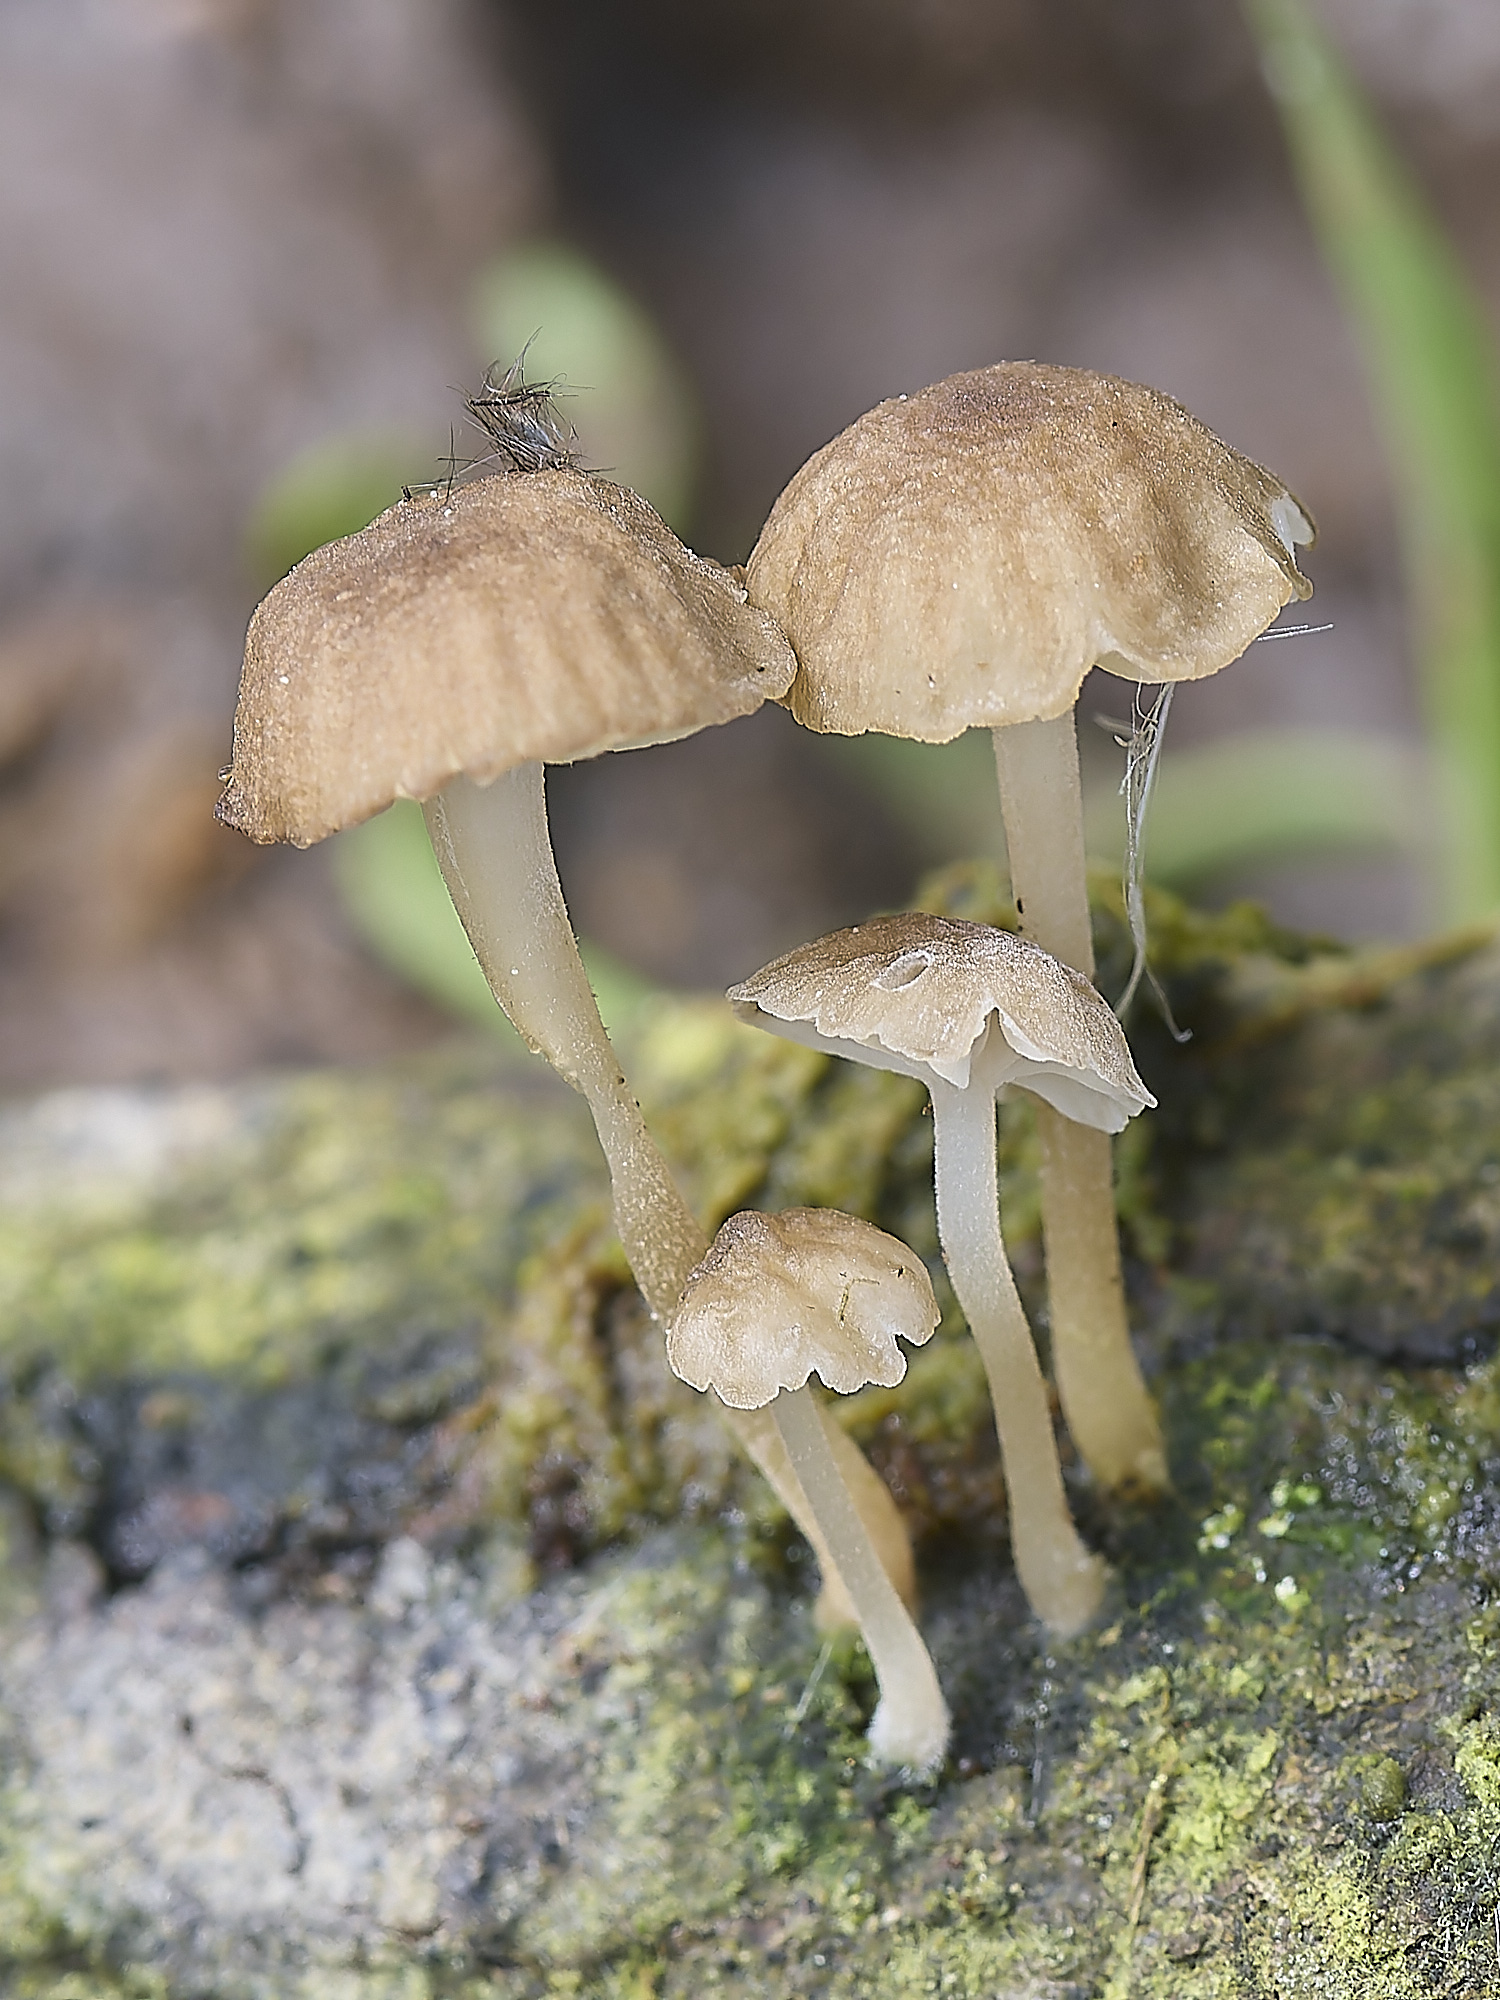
(779, 1298)
(962, 557)
(444, 653)
(968, 1010)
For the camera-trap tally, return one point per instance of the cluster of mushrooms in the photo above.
(956, 558)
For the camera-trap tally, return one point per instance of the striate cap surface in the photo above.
(809, 1292)
(965, 1003)
(964, 555)
(546, 615)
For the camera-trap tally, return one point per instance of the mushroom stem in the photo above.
(910, 1724)
(1107, 1404)
(1041, 799)
(871, 1497)
(1105, 1400)
(1061, 1579)
(495, 853)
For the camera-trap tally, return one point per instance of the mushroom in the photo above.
(444, 653)
(968, 1010)
(962, 557)
(779, 1298)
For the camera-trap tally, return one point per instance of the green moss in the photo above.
(1382, 1786)
(1268, 1855)
(357, 1202)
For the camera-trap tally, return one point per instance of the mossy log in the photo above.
(379, 1618)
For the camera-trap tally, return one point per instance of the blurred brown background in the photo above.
(230, 229)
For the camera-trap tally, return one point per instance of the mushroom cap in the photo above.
(810, 1291)
(963, 556)
(546, 615)
(969, 1004)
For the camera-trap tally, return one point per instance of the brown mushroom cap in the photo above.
(547, 615)
(917, 993)
(963, 556)
(810, 1291)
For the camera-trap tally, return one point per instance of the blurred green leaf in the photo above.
(618, 382)
(1432, 367)
(1269, 795)
(332, 489)
(393, 890)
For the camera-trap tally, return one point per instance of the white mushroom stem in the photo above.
(1105, 1400)
(493, 846)
(871, 1497)
(1061, 1579)
(910, 1725)
(495, 852)
(1041, 798)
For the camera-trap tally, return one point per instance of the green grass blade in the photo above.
(1268, 796)
(394, 893)
(1432, 368)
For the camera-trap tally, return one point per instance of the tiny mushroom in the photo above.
(444, 653)
(968, 1009)
(779, 1298)
(962, 556)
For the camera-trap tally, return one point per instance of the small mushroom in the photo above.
(963, 556)
(968, 1010)
(444, 653)
(777, 1299)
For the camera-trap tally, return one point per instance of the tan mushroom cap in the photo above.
(546, 615)
(934, 996)
(807, 1292)
(963, 556)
